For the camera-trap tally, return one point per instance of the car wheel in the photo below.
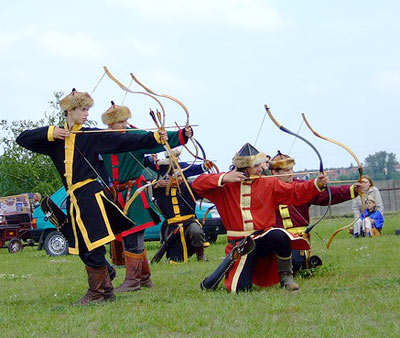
(15, 245)
(55, 244)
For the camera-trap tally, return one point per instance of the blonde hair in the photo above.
(369, 180)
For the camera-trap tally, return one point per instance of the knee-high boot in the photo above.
(286, 273)
(117, 253)
(145, 280)
(96, 281)
(133, 265)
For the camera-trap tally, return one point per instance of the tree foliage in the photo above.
(22, 170)
(382, 166)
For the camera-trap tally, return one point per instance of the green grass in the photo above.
(354, 294)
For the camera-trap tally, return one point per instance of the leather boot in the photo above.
(133, 265)
(117, 253)
(201, 257)
(95, 293)
(286, 273)
(145, 280)
(108, 288)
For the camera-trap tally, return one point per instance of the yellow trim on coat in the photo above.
(297, 230)
(237, 273)
(69, 158)
(179, 219)
(50, 133)
(76, 247)
(352, 192)
(77, 185)
(245, 203)
(285, 215)
(184, 246)
(232, 233)
(73, 251)
(157, 137)
(69, 152)
(220, 179)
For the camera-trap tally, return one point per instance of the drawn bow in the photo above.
(360, 172)
(185, 109)
(321, 166)
(160, 123)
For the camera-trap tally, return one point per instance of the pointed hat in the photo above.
(248, 156)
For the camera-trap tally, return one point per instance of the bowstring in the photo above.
(97, 84)
(259, 130)
(126, 93)
(294, 137)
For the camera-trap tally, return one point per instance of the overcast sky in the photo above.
(337, 61)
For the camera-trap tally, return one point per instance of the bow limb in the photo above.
(162, 120)
(360, 168)
(360, 171)
(148, 90)
(128, 90)
(321, 166)
(339, 230)
(163, 95)
(205, 156)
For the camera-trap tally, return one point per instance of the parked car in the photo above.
(55, 244)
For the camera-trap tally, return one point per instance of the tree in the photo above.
(22, 170)
(381, 166)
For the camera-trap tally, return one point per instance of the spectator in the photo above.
(369, 191)
(370, 222)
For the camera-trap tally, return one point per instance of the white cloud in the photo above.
(248, 14)
(75, 45)
(388, 81)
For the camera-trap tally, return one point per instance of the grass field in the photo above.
(354, 294)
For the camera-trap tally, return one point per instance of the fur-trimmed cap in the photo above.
(116, 114)
(248, 156)
(281, 161)
(370, 198)
(76, 100)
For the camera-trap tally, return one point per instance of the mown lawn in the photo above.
(356, 293)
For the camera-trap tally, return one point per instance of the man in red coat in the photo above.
(246, 204)
(296, 218)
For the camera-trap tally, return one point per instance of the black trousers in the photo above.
(95, 258)
(134, 242)
(275, 242)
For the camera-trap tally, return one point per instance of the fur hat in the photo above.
(248, 156)
(370, 198)
(281, 161)
(116, 114)
(76, 100)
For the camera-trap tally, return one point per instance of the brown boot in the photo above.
(95, 293)
(286, 274)
(201, 257)
(108, 288)
(133, 265)
(117, 253)
(146, 281)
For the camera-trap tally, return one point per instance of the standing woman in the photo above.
(370, 191)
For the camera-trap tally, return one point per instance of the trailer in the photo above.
(16, 221)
